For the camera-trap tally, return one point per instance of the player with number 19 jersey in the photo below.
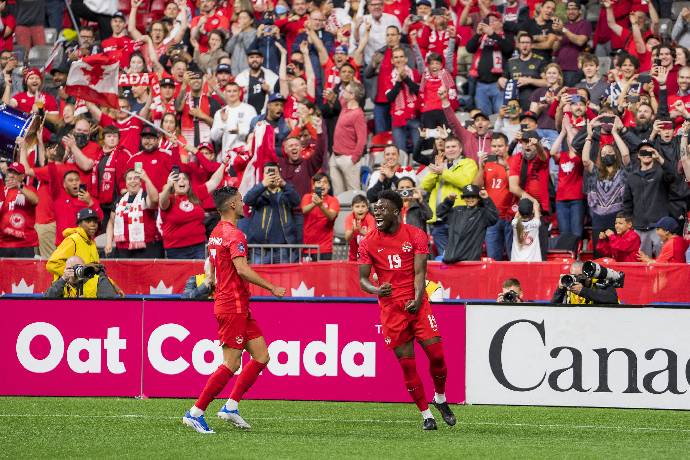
(232, 292)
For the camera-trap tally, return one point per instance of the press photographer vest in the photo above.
(89, 290)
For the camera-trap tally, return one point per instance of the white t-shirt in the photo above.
(530, 249)
(239, 118)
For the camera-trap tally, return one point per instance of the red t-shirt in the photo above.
(217, 20)
(398, 8)
(232, 292)
(537, 178)
(673, 250)
(130, 131)
(392, 257)
(66, 206)
(157, 165)
(44, 209)
(183, 221)
(496, 184)
(25, 102)
(17, 220)
(367, 224)
(124, 44)
(317, 228)
(9, 22)
(569, 178)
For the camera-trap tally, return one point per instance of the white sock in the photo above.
(196, 412)
(427, 414)
(440, 397)
(231, 404)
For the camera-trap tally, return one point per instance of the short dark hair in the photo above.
(497, 135)
(359, 198)
(408, 178)
(588, 58)
(622, 215)
(222, 196)
(318, 176)
(111, 129)
(393, 197)
(511, 282)
(433, 57)
(270, 164)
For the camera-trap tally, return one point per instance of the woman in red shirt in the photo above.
(132, 226)
(320, 210)
(182, 215)
(570, 204)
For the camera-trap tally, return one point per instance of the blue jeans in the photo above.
(197, 251)
(499, 240)
(403, 134)
(488, 98)
(54, 11)
(571, 216)
(440, 233)
(382, 118)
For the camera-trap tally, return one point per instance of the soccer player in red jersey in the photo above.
(238, 331)
(398, 253)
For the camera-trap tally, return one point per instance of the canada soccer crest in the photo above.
(186, 206)
(239, 339)
(407, 246)
(17, 220)
(388, 340)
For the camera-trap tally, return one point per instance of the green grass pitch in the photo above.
(129, 428)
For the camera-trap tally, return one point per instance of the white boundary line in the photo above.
(336, 420)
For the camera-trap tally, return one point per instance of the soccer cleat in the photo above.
(429, 424)
(446, 413)
(233, 416)
(198, 423)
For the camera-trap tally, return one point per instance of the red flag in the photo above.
(95, 79)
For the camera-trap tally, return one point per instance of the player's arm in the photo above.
(419, 283)
(367, 286)
(248, 274)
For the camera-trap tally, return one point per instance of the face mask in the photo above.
(82, 140)
(608, 160)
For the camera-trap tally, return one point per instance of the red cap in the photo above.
(17, 167)
(207, 145)
(33, 71)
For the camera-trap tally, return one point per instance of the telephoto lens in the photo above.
(568, 280)
(84, 272)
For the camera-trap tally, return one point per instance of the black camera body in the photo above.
(569, 280)
(85, 272)
(511, 297)
(407, 193)
(318, 191)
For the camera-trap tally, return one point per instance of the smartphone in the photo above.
(431, 132)
(175, 170)
(666, 125)
(657, 62)
(633, 98)
(576, 99)
(491, 158)
(571, 91)
(138, 166)
(609, 120)
(524, 126)
(318, 191)
(415, 18)
(268, 29)
(644, 79)
(82, 187)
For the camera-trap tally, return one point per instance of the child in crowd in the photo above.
(357, 224)
(624, 244)
(526, 247)
(674, 246)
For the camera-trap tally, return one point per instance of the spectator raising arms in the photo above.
(320, 210)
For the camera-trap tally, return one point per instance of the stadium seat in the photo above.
(101, 240)
(379, 141)
(665, 26)
(592, 13)
(51, 35)
(339, 225)
(38, 55)
(345, 198)
(560, 255)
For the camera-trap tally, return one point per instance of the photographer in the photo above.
(82, 281)
(511, 292)
(577, 288)
(201, 287)
(416, 210)
(320, 210)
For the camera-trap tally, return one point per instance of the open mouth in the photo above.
(379, 222)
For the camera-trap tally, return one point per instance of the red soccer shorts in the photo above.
(235, 330)
(400, 327)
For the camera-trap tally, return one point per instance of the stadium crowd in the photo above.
(509, 129)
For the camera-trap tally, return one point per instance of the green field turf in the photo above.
(111, 427)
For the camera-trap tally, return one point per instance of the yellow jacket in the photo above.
(89, 290)
(450, 181)
(76, 243)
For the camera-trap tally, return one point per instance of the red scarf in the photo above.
(105, 184)
(405, 105)
(187, 121)
(496, 58)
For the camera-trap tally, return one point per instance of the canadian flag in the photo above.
(263, 151)
(95, 79)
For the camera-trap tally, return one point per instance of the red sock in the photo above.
(247, 377)
(413, 382)
(215, 384)
(437, 366)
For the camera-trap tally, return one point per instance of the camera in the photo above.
(85, 272)
(609, 276)
(491, 158)
(415, 18)
(407, 193)
(511, 297)
(318, 191)
(607, 124)
(569, 280)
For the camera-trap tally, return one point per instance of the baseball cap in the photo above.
(423, 2)
(525, 207)
(667, 223)
(119, 14)
(255, 52)
(223, 68)
(528, 114)
(86, 213)
(644, 143)
(167, 81)
(276, 97)
(281, 9)
(206, 145)
(62, 68)
(342, 49)
(149, 131)
(470, 190)
(478, 113)
(17, 167)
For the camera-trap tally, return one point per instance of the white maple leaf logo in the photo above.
(302, 291)
(160, 289)
(22, 288)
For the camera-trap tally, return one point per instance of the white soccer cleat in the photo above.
(233, 416)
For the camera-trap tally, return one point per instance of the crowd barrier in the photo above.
(644, 283)
(628, 357)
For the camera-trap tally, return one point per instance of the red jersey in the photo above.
(157, 165)
(44, 209)
(10, 23)
(130, 131)
(496, 183)
(25, 102)
(537, 178)
(317, 228)
(570, 172)
(183, 221)
(232, 292)
(392, 256)
(217, 20)
(17, 219)
(366, 225)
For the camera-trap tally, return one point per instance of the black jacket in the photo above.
(418, 213)
(466, 228)
(104, 289)
(646, 195)
(595, 295)
(486, 60)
